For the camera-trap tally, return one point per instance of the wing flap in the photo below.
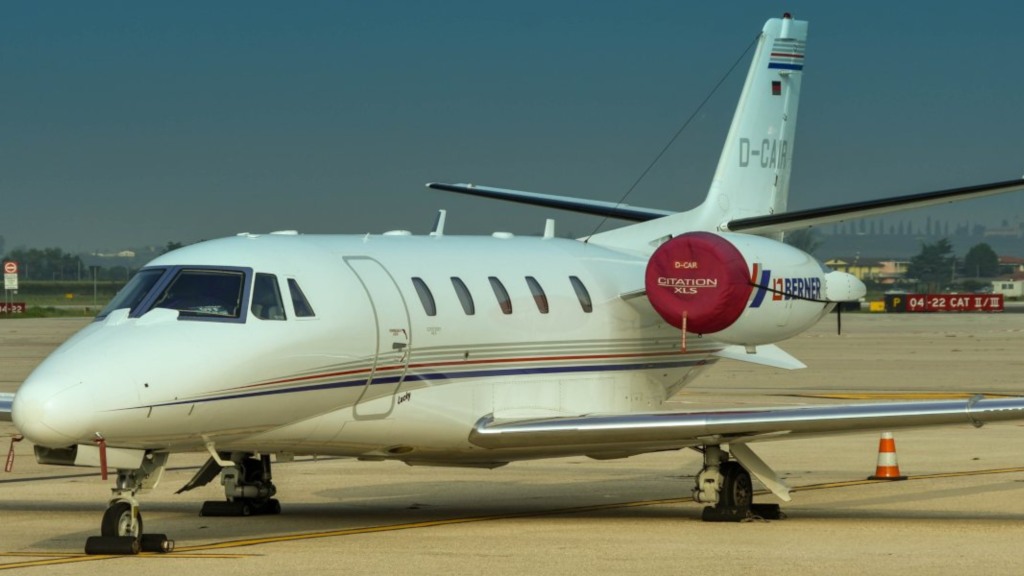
(667, 430)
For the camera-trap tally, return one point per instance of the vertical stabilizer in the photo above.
(752, 178)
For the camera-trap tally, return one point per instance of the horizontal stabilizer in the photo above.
(795, 220)
(6, 402)
(765, 355)
(779, 222)
(643, 432)
(595, 207)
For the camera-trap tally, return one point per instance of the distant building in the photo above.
(1010, 286)
(893, 271)
(1011, 264)
(869, 269)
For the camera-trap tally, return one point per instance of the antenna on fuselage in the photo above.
(549, 228)
(439, 223)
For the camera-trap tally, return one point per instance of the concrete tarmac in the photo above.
(962, 511)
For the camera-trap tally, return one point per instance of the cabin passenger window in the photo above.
(299, 302)
(204, 294)
(582, 294)
(134, 291)
(266, 298)
(501, 294)
(426, 298)
(539, 297)
(465, 298)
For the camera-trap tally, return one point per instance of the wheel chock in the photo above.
(112, 545)
(724, 514)
(156, 543)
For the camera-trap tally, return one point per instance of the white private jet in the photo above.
(471, 351)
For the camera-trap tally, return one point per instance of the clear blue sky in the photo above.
(138, 123)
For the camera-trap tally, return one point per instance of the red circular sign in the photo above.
(700, 276)
(10, 267)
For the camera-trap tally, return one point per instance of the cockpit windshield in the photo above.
(204, 293)
(134, 291)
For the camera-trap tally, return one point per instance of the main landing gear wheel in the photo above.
(735, 498)
(737, 489)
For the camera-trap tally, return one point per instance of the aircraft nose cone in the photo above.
(50, 416)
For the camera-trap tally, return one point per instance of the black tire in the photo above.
(737, 489)
(116, 520)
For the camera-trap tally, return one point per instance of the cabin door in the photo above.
(391, 361)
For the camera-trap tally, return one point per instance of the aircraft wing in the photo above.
(643, 432)
(781, 222)
(6, 401)
(583, 206)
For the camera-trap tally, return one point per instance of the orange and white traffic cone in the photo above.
(887, 468)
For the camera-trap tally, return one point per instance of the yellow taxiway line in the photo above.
(198, 550)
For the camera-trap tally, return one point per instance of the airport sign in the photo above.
(10, 275)
(12, 307)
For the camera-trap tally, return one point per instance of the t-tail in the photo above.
(752, 178)
(750, 189)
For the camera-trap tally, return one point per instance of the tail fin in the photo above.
(752, 178)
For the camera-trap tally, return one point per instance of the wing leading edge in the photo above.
(581, 205)
(781, 222)
(643, 432)
(6, 402)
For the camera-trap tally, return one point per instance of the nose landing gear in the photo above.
(121, 528)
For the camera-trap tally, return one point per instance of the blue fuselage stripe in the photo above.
(434, 376)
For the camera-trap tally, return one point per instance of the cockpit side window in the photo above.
(202, 293)
(134, 292)
(266, 298)
(299, 302)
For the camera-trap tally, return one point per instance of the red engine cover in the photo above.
(702, 275)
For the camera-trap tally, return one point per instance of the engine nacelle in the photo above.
(742, 289)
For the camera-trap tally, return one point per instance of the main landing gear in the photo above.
(247, 481)
(248, 488)
(726, 485)
(121, 527)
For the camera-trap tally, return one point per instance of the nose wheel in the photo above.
(121, 533)
(121, 527)
(121, 520)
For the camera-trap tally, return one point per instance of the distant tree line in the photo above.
(50, 264)
(47, 264)
(935, 267)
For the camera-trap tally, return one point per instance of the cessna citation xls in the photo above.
(472, 351)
